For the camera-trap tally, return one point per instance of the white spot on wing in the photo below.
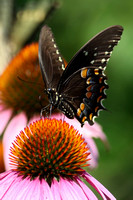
(100, 67)
(63, 67)
(60, 59)
(92, 62)
(106, 52)
(86, 53)
(103, 60)
(57, 52)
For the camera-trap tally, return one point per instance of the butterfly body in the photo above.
(59, 102)
(78, 89)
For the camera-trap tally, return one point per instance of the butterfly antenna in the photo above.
(31, 82)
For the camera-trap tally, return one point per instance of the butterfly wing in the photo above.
(84, 94)
(96, 52)
(82, 84)
(51, 62)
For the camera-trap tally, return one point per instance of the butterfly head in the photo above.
(53, 96)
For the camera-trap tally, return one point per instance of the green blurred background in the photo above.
(73, 24)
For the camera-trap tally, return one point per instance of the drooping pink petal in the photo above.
(6, 180)
(97, 132)
(105, 194)
(16, 124)
(81, 192)
(86, 190)
(94, 154)
(4, 118)
(70, 190)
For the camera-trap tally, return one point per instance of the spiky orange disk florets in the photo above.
(22, 95)
(49, 148)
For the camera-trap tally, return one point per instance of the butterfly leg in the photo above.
(50, 110)
(44, 109)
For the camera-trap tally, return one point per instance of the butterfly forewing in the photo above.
(51, 62)
(95, 52)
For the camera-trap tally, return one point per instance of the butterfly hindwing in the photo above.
(84, 91)
(50, 59)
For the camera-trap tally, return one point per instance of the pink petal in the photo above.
(30, 189)
(34, 118)
(46, 192)
(55, 189)
(70, 190)
(94, 155)
(4, 118)
(105, 194)
(18, 189)
(6, 180)
(87, 190)
(79, 191)
(97, 132)
(15, 126)
(13, 186)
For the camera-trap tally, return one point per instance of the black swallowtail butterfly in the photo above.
(77, 91)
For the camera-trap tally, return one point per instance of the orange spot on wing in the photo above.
(99, 98)
(102, 88)
(84, 73)
(96, 109)
(88, 94)
(100, 79)
(84, 118)
(82, 106)
(96, 71)
(89, 88)
(78, 112)
(90, 116)
(88, 80)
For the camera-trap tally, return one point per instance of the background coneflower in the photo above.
(48, 160)
(21, 83)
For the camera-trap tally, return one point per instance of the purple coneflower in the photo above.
(48, 160)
